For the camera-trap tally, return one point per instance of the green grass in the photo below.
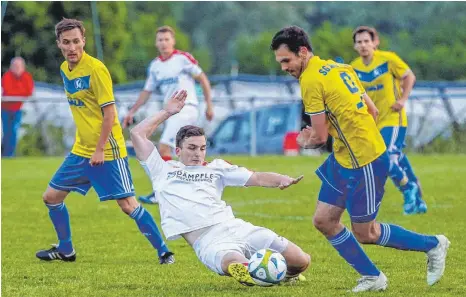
(114, 259)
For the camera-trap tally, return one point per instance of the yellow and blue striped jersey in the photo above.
(381, 78)
(333, 88)
(88, 88)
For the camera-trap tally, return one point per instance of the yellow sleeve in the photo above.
(313, 97)
(101, 84)
(398, 67)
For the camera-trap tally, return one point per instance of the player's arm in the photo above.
(272, 180)
(149, 87)
(107, 124)
(207, 90)
(141, 133)
(191, 66)
(142, 99)
(401, 70)
(371, 108)
(315, 136)
(313, 100)
(407, 83)
(101, 83)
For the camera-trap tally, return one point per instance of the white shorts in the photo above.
(234, 235)
(187, 116)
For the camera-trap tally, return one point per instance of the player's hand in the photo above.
(97, 158)
(288, 181)
(176, 103)
(209, 113)
(128, 120)
(304, 136)
(399, 104)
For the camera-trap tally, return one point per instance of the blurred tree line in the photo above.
(430, 36)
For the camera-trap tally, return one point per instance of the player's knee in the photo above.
(323, 224)
(53, 197)
(128, 205)
(303, 263)
(297, 260)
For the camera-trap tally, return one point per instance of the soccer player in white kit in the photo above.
(191, 206)
(173, 70)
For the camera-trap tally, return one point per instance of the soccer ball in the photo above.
(267, 267)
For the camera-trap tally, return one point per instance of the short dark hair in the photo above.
(186, 132)
(294, 37)
(372, 32)
(68, 24)
(165, 29)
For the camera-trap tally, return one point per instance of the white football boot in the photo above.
(371, 283)
(436, 260)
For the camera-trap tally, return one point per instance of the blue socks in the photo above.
(399, 238)
(350, 249)
(61, 221)
(147, 226)
(406, 167)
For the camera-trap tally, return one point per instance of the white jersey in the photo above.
(174, 73)
(190, 197)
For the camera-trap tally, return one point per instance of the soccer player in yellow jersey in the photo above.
(381, 73)
(98, 158)
(354, 175)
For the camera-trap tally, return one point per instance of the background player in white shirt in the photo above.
(191, 206)
(173, 70)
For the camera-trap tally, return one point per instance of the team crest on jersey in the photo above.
(78, 84)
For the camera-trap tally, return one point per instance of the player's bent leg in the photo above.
(69, 177)
(235, 265)
(397, 237)
(148, 227)
(327, 221)
(297, 261)
(406, 165)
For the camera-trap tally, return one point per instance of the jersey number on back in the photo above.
(349, 82)
(351, 87)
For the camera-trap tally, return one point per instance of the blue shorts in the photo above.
(394, 138)
(359, 190)
(111, 180)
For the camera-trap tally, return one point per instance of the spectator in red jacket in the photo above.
(15, 82)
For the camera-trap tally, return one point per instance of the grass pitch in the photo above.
(114, 259)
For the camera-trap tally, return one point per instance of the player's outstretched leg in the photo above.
(148, 228)
(436, 247)
(399, 238)
(408, 169)
(61, 221)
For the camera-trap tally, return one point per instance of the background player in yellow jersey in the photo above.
(354, 176)
(98, 158)
(381, 73)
